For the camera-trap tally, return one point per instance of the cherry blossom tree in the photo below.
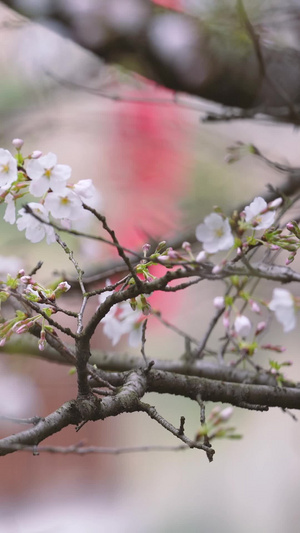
(247, 243)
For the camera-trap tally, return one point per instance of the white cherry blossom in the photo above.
(84, 189)
(219, 302)
(215, 233)
(254, 214)
(64, 204)
(121, 320)
(283, 306)
(8, 169)
(46, 174)
(10, 212)
(242, 325)
(35, 230)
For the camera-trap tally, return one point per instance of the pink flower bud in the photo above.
(226, 322)
(172, 254)
(254, 307)
(274, 247)
(186, 246)
(226, 413)
(35, 154)
(63, 286)
(290, 226)
(18, 143)
(26, 279)
(2, 341)
(261, 326)
(219, 302)
(23, 328)
(42, 341)
(214, 412)
(217, 269)
(275, 203)
(273, 347)
(201, 256)
(146, 247)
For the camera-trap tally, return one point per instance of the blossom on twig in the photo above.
(46, 174)
(8, 169)
(120, 320)
(242, 325)
(258, 215)
(283, 306)
(35, 230)
(215, 233)
(64, 204)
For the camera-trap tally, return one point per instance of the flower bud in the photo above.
(26, 279)
(290, 259)
(161, 245)
(254, 307)
(226, 413)
(275, 203)
(18, 143)
(63, 286)
(172, 254)
(201, 256)
(187, 246)
(163, 258)
(226, 322)
(146, 247)
(133, 304)
(217, 269)
(23, 328)
(219, 302)
(35, 154)
(42, 341)
(261, 326)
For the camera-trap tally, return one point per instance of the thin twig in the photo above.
(79, 278)
(121, 249)
(152, 412)
(78, 449)
(36, 307)
(144, 327)
(77, 233)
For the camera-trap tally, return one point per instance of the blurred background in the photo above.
(158, 170)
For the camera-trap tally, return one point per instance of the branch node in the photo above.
(181, 427)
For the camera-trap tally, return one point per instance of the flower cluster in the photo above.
(31, 291)
(121, 320)
(44, 178)
(216, 233)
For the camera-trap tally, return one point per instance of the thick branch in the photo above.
(81, 410)
(238, 394)
(119, 362)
